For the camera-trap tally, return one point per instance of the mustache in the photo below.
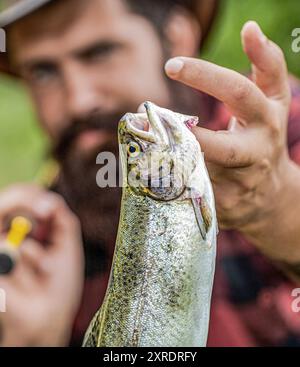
(95, 121)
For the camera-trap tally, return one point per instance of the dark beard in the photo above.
(97, 208)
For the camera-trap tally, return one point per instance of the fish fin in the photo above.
(91, 335)
(206, 213)
(203, 215)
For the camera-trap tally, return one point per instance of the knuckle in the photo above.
(276, 127)
(231, 157)
(278, 140)
(275, 130)
(274, 121)
(58, 201)
(242, 91)
(225, 204)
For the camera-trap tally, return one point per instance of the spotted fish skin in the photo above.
(161, 280)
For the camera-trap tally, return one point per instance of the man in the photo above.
(86, 63)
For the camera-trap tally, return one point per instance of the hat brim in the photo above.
(205, 11)
(19, 10)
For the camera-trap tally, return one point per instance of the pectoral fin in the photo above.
(203, 215)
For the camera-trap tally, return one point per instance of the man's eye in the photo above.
(100, 52)
(43, 75)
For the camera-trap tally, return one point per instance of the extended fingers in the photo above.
(242, 96)
(269, 66)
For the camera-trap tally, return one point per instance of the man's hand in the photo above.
(252, 175)
(44, 290)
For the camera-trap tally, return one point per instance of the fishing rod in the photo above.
(20, 228)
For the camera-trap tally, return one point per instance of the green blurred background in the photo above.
(23, 147)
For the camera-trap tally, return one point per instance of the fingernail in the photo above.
(260, 33)
(254, 28)
(173, 66)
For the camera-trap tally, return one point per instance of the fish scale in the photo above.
(161, 280)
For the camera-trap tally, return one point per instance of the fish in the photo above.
(161, 279)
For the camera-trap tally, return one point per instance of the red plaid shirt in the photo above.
(251, 302)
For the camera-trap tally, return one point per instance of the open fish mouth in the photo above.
(158, 125)
(150, 126)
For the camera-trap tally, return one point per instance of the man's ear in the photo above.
(183, 33)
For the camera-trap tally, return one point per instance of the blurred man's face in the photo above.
(86, 67)
(86, 64)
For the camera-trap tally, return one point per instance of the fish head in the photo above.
(158, 152)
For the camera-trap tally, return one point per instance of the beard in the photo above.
(98, 208)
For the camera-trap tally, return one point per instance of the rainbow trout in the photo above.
(162, 274)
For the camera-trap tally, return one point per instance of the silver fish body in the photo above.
(161, 280)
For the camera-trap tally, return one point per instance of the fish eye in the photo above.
(133, 149)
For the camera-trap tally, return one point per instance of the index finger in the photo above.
(244, 99)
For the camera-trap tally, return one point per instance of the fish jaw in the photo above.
(156, 124)
(138, 126)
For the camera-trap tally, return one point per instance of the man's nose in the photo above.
(82, 96)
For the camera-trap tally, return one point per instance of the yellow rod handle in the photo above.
(19, 229)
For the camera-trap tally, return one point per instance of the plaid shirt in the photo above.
(251, 302)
